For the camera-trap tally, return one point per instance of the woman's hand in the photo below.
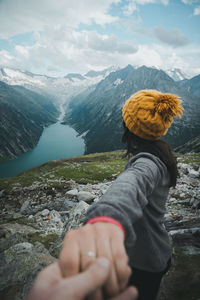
(104, 240)
(50, 285)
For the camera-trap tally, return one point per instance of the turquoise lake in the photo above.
(57, 141)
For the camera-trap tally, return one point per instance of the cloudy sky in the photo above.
(58, 37)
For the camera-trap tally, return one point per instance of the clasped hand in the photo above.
(77, 275)
(105, 240)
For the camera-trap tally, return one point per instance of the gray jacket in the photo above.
(137, 200)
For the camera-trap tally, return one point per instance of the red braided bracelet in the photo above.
(106, 220)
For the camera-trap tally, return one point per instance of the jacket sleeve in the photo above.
(125, 199)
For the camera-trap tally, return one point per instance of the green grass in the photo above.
(189, 158)
(93, 168)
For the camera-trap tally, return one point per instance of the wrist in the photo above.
(106, 220)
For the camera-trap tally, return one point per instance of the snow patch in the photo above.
(118, 81)
(177, 74)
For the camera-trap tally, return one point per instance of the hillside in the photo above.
(192, 146)
(41, 205)
(24, 114)
(97, 115)
(191, 85)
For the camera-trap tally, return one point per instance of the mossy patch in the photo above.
(91, 168)
(189, 158)
(47, 240)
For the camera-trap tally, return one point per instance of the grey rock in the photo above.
(14, 233)
(85, 196)
(196, 203)
(76, 216)
(72, 193)
(196, 168)
(183, 168)
(194, 174)
(1, 193)
(45, 212)
(191, 250)
(19, 266)
(81, 208)
(50, 224)
(184, 231)
(25, 207)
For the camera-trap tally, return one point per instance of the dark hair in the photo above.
(159, 148)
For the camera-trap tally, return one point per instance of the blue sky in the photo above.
(57, 37)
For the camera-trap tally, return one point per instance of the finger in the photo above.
(69, 260)
(130, 293)
(88, 281)
(103, 245)
(87, 244)
(120, 258)
(97, 295)
(47, 279)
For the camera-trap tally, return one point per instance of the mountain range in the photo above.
(92, 104)
(97, 115)
(30, 102)
(61, 89)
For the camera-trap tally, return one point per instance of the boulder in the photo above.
(86, 196)
(18, 268)
(76, 216)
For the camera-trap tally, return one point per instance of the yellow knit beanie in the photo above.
(149, 113)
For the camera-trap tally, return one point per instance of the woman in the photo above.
(131, 212)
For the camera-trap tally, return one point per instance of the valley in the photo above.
(91, 104)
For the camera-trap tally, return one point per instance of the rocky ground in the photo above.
(40, 206)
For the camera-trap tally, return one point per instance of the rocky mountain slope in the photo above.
(192, 146)
(24, 114)
(96, 115)
(41, 205)
(176, 74)
(191, 85)
(62, 89)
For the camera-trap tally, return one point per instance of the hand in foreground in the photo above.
(82, 245)
(50, 285)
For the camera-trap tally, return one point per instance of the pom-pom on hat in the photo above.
(149, 113)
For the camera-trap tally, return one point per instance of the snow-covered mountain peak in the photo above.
(61, 88)
(177, 74)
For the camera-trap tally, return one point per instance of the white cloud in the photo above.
(60, 46)
(22, 51)
(129, 8)
(173, 38)
(147, 56)
(197, 11)
(186, 59)
(189, 1)
(74, 55)
(21, 16)
(142, 2)
(68, 49)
